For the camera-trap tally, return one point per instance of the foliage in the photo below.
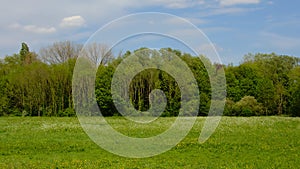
(264, 84)
(247, 106)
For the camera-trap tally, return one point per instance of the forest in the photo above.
(34, 84)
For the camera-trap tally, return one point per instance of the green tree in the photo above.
(247, 106)
(24, 51)
(294, 107)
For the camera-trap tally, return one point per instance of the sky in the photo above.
(234, 27)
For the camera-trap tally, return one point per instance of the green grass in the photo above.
(253, 142)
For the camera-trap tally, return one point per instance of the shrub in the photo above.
(247, 106)
(68, 112)
(228, 109)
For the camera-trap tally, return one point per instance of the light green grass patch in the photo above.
(239, 142)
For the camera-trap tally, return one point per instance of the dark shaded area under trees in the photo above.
(33, 85)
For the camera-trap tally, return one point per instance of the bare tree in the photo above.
(98, 54)
(60, 52)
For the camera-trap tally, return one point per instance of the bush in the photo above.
(247, 106)
(68, 112)
(228, 109)
(247, 112)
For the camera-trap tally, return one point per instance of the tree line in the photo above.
(34, 84)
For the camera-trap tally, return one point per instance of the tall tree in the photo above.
(98, 54)
(60, 52)
(26, 56)
(24, 51)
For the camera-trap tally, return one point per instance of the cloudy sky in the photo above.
(235, 27)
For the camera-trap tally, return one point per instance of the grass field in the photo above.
(253, 142)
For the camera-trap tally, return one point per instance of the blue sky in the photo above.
(235, 27)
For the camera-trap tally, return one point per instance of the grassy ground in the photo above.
(254, 142)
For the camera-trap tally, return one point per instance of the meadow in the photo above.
(239, 142)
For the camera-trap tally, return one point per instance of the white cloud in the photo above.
(183, 3)
(33, 28)
(14, 26)
(172, 4)
(72, 21)
(228, 10)
(36, 29)
(177, 5)
(237, 2)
